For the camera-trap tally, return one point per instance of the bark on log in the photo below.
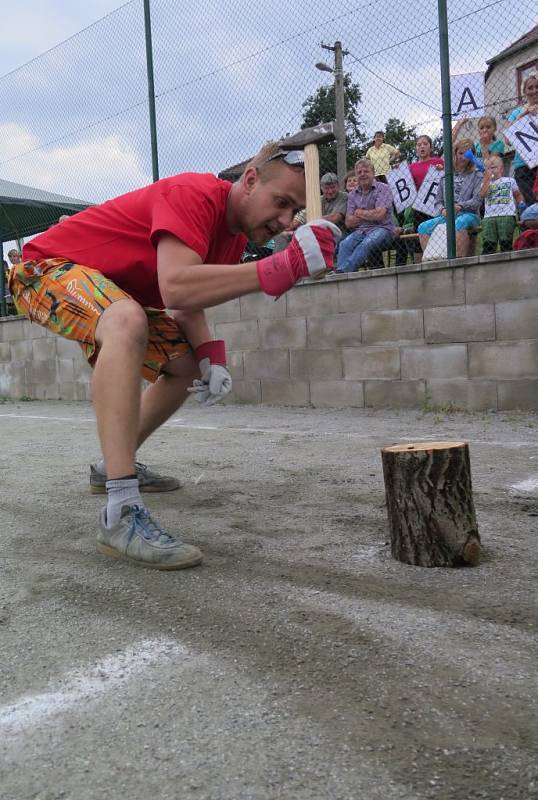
(430, 504)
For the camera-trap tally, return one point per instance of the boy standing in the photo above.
(500, 196)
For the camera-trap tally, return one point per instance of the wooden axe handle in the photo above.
(311, 170)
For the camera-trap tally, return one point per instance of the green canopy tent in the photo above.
(24, 211)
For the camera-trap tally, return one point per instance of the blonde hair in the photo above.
(489, 119)
(527, 79)
(464, 144)
(262, 161)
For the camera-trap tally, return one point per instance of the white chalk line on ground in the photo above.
(82, 686)
(471, 645)
(282, 431)
(527, 486)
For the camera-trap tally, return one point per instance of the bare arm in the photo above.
(485, 184)
(188, 285)
(194, 326)
(458, 126)
(518, 196)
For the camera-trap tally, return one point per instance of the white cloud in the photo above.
(92, 170)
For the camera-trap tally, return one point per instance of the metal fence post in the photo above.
(447, 128)
(3, 304)
(151, 92)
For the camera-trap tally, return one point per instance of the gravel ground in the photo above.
(299, 661)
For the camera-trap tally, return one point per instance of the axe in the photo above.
(308, 139)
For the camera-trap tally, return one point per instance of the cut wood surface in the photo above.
(430, 504)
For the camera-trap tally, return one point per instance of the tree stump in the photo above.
(430, 504)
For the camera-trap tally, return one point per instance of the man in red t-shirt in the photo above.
(104, 278)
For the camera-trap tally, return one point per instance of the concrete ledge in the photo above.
(460, 333)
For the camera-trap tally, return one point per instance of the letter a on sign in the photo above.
(467, 95)
(523, 134)
(402, 186)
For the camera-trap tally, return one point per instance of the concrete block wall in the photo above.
(37, 364)
(463, 333)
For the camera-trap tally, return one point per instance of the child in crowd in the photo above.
(467, 184)
(488, 143)
(500, 196)
(351, 181)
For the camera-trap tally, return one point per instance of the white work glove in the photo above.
(216, 381)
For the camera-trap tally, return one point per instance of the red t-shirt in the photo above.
(419, 169)
(119, 237)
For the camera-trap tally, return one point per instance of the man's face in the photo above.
(329, 190)
(365, 176)
(379, 139)
(269, 205)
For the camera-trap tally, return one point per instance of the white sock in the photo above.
(123, 492)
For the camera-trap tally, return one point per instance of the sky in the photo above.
(73, 88)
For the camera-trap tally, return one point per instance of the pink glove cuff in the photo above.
(214, 350)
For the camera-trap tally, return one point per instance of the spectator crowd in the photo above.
(490, 205)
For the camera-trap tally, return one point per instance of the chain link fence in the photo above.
(75, 121)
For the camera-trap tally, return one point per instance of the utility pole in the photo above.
(340, 128)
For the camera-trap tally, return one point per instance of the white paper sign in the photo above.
(425, 199)
(523, 135)
(402, 186)
(467, 95)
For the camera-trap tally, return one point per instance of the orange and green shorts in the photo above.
(69, 299)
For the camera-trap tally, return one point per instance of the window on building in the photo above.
(523, 72)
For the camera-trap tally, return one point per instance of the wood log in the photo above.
(430, 504)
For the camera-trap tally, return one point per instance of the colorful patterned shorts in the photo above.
(69, 299)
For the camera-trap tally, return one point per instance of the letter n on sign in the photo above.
(523, 135)
(467, 95)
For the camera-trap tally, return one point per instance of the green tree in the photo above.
(320, 107)
(401, 136)
(437, 146)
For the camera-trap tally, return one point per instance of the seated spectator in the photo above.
(381, 154)
(14, 257)
(333, 201)
(467, 184)
(500, 196)
(351, 181)
(525, 176)
(368, 217)
(529, 224)
(488, 143)
(418, 170)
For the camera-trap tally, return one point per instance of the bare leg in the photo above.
(463, 244)
(423, 239)
(122, 336)
(166, 395)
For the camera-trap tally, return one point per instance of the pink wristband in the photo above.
(214, 350)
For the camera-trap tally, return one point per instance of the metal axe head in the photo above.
(318, 134)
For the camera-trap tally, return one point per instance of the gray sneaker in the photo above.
(148, 481)
(139, 539)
